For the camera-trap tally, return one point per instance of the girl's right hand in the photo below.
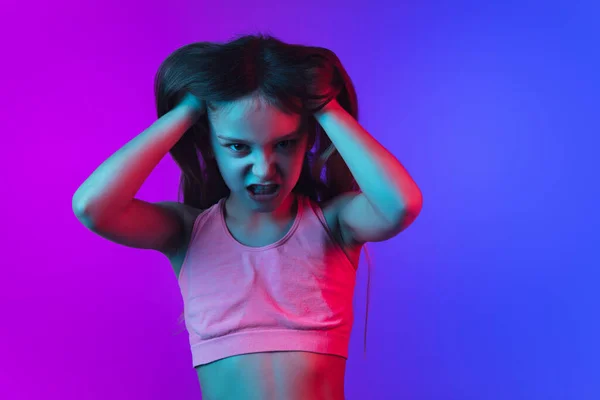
(196, 106)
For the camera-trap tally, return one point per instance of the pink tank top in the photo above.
(292, 295)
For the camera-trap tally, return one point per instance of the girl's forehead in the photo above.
(244, 107)
(252, 113)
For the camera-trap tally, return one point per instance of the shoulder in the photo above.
(184, 211)
(187, 216)
(337, 202)
(332, 207)
(331, 211)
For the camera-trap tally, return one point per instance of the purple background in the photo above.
(490, 105)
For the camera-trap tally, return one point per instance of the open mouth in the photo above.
(263, 192)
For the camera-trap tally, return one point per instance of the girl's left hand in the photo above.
(332, 105)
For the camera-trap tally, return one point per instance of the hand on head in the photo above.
(194, 104)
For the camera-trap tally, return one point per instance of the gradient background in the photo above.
(490, 105)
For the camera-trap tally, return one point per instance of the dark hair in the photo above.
(296, 79)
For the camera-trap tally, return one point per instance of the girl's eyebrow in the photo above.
(284, 137)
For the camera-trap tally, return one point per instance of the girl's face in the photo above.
(257, 144)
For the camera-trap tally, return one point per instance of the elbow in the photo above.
(408, 213)
(416, 205)
(80, 211)
(78, 206)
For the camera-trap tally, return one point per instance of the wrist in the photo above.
(330, 107)
(192, 106)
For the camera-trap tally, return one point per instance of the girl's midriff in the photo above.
(290, 375)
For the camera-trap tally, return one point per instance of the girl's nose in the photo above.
(263, 167)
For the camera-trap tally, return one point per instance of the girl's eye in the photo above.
(287, 143)
(236, 147)
(240, 147)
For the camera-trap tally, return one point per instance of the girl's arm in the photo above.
(390, 200)
(105, 202)
(113, 185)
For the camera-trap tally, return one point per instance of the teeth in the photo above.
(263, 189)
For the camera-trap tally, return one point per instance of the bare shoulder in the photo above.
(336, 203)
(331, 210)
(184, 210)
(187, 215)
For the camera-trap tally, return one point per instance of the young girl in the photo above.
(282, 188)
